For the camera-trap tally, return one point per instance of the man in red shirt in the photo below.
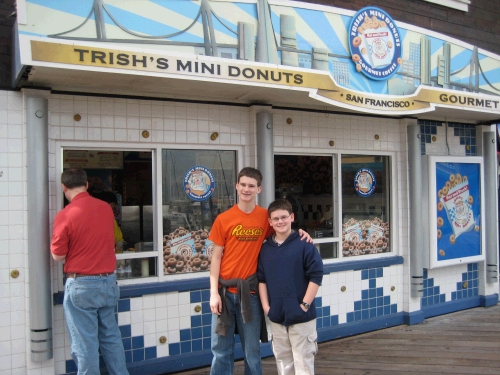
(84, 236)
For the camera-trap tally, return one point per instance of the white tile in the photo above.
(162, 351)
(136, 316)
(136, 304)
(149, 328)
(184, 298)
(184, 322)
(150, 340)
(124, 318)
(148, 302)
(161, 325)
(149, 315)
(137, 329)
(18, 360)
(173, 336)
(18, 346)
(173, 323)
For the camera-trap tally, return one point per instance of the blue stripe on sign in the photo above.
(78, 8)
(148, 26)
(323, 29)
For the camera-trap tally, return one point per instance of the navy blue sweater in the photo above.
(286, 270)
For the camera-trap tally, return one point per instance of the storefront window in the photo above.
(197, 185)
(365, 205)
(124, 179)
(307, 182)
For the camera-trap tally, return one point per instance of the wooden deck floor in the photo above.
(465, 342)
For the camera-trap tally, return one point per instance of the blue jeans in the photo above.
(89, 308)
(223, 346)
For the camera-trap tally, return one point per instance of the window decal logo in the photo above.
(199, 183)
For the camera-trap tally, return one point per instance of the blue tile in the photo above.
(426, 283)
(380, 272)
(475, 283)
(456, 132)
(364, 274)
(373, 313)
(474, 266)
(431, 283)
(319, 312)
(205, 308)
(372, 293)
(128, 356)
(453, 296)
(137, 342)
(364, 304)
(207, 343)
(436, 299)
(372, 272)
(150, 352)
(464, 276)
(474, 274)
(195, 296)
(365, 314)
(380, 301)
(387, 310)
(427, 138)
(459, 294)
(71, 366)
(380, 311)
(318, 301)
(124, 305)
(442, 298)
(394, 308)
(350, 317)
(469, 276)
(372, 303)
(372, 283)
(326, 311)
(138, 355)
(380, 292)
(433, 130)
(185, 334)
(126, 330)
(475, 291)
(364, 294)
(326, 321)
(205, 295)
(426, 292)
(206, 319)
(196, 333)
(174, 349)
(357, 306)
(335, 320)
(387, 300)
(459, 286)
(436, 290)
(185, 347)
(127, 343)
(357, 315)
(196, 321)
(197, 345)
(207, 331)
(319, 323)
(424, 302)
(425, 274)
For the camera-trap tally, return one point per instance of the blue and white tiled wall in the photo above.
(450, 284)
(462, 138)
(143, 320)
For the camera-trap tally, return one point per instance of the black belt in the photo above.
(74, 275)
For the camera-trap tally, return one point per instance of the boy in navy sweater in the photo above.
(290, 272)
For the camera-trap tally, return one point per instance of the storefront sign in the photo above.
(320, 84)
(199, 183)
(375, 43)
(92, 159)
(364, 182)
(455, 207)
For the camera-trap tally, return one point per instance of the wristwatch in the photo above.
(305, 304)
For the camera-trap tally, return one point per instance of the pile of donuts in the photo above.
(366, 245)
(314, 173)
(187, 258)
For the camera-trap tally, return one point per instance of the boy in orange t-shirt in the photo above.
(238, 235)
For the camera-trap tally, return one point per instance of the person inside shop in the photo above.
(287, 296)
(110, 198)
(237, 235)
(83, 236)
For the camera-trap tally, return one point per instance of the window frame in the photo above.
(337, 200)
(156, 150)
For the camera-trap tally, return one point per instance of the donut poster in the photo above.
(457, 200)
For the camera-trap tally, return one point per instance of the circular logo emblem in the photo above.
(364, 182)
(375, 43)
(199, 183)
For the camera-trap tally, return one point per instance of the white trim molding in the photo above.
(462, 5)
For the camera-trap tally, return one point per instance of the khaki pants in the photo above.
(294, 347)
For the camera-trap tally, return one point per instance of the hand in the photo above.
(303, 308)
(305, 236)
(266, 309)
(215, 303)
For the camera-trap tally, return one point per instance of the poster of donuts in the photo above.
(457, 201)
(186, 251)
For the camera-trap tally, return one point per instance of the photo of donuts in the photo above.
(186, 251)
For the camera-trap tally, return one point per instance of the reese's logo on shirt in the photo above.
(246, 234)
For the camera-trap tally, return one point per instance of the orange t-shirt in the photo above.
(241, 235)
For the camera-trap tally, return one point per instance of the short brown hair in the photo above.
(280, 204)
(73, 178)
(252, 173)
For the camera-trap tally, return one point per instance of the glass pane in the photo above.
(134, 268)
(197, 186)
(307, 182)
(124, 179)
(365, 205)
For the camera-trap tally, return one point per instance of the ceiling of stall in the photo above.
(173, 88)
